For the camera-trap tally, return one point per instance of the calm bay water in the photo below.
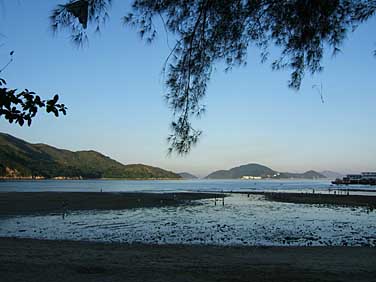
(163, 185)
(241, 221)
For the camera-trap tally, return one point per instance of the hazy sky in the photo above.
(114, 91)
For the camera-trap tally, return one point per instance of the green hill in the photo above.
(21, 159)
(332, 174)
(261, 171)
(311, 174)
(244, 170)
(186, 175)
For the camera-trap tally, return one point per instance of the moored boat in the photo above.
(365, 178)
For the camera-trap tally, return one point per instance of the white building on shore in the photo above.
(250, 177)
(369, 175)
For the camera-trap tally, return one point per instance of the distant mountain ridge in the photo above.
(20, 159)
(311, 174)
(332, 174)
(257, 170)
(243, 170)
(186, 175)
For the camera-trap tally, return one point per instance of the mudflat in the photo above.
(25, 203)
(324, 199)
(37, 260)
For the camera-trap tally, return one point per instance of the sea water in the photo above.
(242, 221)
(171, 185)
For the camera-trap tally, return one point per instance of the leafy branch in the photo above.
(22, 107)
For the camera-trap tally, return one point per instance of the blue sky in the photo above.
(114, 91)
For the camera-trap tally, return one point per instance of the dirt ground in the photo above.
(35, 260)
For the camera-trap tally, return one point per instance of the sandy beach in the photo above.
(59, 260)
(33, 260)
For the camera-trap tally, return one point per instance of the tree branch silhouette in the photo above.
(22, 107)
(209, 31)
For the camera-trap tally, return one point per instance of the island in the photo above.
(22, 160)
(255, 171)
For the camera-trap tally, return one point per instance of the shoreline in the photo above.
(320, 199)
(27, 178)
(42, 260)
(26, 203)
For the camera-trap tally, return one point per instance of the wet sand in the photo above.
(324, 199)
(34, 260)
(25, 203)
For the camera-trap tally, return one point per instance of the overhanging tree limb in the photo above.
(299, 28)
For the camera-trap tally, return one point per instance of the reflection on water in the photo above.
(242, 221)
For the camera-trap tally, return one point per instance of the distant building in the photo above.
(354, 176)
(369, 175)
(251, 177)
(368, 178)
